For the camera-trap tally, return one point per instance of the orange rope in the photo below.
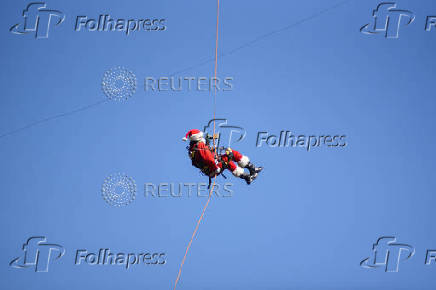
(213, 138)
(216, 66)
(193, 235)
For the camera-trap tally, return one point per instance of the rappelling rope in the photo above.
(214, 179)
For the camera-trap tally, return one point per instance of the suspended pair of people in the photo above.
(212, 164)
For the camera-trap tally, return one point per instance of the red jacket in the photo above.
(201, 156)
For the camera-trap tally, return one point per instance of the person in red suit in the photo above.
(204, 158)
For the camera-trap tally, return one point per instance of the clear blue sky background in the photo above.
(309, 219)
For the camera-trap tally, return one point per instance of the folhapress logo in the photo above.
(388, 20)
(38, 254)
(37, 20)
(227, 134)
(388, 254)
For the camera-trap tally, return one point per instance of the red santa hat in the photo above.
(193, 135)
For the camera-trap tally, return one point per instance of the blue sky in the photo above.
(308, 220)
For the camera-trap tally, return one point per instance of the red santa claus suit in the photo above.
(233, 155)
(200, 152)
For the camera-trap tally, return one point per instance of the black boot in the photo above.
(247, 177)
(253, 169)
